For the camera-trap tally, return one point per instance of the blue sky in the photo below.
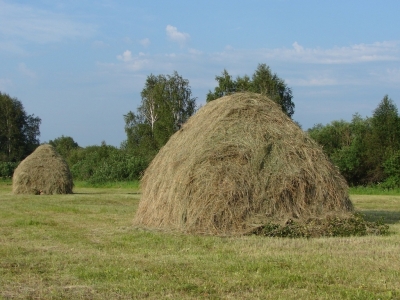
(81, 65)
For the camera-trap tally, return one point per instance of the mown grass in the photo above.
(82, 246)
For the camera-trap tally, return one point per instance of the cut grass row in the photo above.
(82, 246)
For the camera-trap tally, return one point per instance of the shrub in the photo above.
(7, 168)
(100, 164)
(391, 169)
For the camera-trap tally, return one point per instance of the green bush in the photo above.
(100, 164)
(391, 169)
(7, 168)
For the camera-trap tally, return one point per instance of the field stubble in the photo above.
(83, 246)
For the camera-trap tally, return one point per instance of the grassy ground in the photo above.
(373, 190)
(82, 246)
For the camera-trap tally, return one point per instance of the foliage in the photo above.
(167, 103)
(101, 164)
(332, 226)
(383, 139)
(262, 82)
(19, 131)
(366, 150)
(391, 168)
(64, 145)
(7, 168)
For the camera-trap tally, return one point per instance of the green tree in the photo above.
(332, 136)
(367, 151)
(243, 84)
(269, 84)
(384, 139)
(391, 168)
(64, 145)
(140, 138)
(351, 158)
(385, 125)
(345, 144)
(19, 131)
(225, 86)
(263, 82)
(166, 104)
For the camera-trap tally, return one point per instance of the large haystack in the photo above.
(237, 164)
(44, 172)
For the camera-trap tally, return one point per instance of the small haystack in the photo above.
(44, 172)
(236, 165)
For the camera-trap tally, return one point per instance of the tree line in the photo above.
(166, 103)
(366, 150)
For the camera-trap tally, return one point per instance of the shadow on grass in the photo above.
(388, 217)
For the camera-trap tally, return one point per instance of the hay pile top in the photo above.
(236, 165)
(43, 172)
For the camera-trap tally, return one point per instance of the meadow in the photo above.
(83, 246)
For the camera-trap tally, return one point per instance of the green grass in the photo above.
(373, 190)
(116, 184)
(83, 246)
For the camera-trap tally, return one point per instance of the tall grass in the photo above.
(83, 246)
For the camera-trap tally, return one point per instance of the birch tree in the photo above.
(19, 131)
(166, 104)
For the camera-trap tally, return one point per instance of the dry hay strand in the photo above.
(44, 172)
(237, 164)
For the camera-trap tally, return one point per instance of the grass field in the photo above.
(82, 246)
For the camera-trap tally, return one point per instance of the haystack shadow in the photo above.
(386, 216)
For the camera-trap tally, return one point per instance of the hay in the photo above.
(236, 165)
(43, 172)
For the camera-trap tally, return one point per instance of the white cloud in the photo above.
(297, 47)
(137, 64)
(133, 63)
(174, 35)
(24, 22)
(126, 56)
(145, 42)
(299, 66)
(24, 70)
(358, 53)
